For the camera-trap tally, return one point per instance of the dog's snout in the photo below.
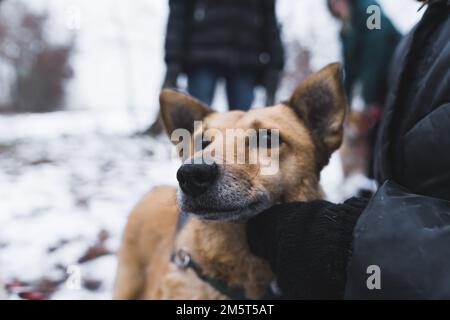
(195, 179)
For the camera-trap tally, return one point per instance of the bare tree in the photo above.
(40, 67)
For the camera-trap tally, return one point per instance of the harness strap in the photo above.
(183, 260)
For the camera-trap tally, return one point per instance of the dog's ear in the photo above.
(321, 103)
(179, 111)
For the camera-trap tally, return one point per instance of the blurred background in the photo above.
(79, 80)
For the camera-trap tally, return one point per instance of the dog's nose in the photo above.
(195, 179)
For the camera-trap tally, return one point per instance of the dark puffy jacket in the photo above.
(368, 53)
(406, 230)
(413, 148)
(229, 33)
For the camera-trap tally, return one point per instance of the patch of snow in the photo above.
(103, 268)
(67, 184)
(332, 178)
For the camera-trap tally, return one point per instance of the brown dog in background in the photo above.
(310, 127)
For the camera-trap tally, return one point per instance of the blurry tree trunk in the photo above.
(38, 70)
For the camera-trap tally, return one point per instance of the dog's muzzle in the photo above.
(212, 193)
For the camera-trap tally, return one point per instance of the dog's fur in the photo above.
(311, 128)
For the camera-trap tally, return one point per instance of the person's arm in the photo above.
(351, 61)
(319, 250)
(374, 67)
(376, 49)
(308, 245)
(274, 49)
(273, 41)
(176, 37)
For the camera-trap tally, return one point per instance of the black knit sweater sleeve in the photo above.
(308, 245)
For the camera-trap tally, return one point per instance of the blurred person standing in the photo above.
(367, 56)
(235, 40)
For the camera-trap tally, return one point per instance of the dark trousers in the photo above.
(240, 86)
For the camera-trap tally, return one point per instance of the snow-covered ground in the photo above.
(69, 179)
(62, 188)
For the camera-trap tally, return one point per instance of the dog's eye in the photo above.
(269, 139)
(205, 142)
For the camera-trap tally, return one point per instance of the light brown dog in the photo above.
(219, 198)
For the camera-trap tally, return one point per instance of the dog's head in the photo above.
(296, 138)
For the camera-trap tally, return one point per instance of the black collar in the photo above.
(183, 260)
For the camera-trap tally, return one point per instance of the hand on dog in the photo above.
(308, 245)
(264, 230)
